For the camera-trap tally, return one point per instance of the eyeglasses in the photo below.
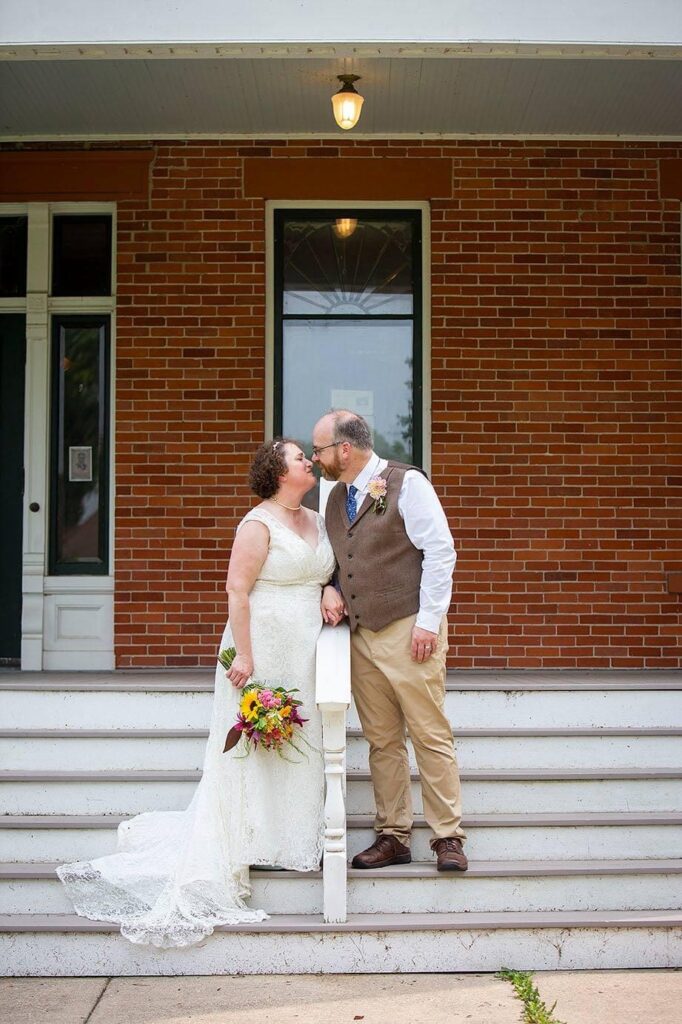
(316, 450)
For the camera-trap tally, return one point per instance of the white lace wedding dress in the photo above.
(178, 874)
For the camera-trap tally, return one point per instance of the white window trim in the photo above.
(271, 206)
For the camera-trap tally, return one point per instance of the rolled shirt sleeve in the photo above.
(427, 527)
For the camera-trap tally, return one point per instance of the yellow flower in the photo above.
(285, 712)
(250, 706)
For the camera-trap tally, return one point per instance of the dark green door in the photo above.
(12, 363)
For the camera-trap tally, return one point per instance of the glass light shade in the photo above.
(347, 107)
(344, 226)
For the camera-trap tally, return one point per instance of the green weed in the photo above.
(534, 1010)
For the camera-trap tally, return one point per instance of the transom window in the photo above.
(79, 477)
(13, 242)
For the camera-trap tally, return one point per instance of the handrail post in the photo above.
(333, 699)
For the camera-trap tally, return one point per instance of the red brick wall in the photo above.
(556, 397)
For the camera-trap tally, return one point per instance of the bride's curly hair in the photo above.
(268, 465)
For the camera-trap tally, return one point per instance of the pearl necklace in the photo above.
(292, 508)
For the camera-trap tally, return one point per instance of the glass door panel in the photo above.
(12, 369)
(80, 464)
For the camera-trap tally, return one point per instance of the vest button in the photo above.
(352, 597)
(350, 534)
(350, 575)
(357, 616)
(350, 556)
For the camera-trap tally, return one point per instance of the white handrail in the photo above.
(332, 696)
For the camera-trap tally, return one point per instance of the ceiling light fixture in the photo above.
(344, 226)
(347, 102)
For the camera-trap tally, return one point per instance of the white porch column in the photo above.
(36, 437)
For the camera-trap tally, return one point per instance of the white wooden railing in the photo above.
(332, 695)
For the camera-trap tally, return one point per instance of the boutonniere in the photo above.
(377, 491)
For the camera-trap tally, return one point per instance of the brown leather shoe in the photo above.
(450, 854)
(385, 850)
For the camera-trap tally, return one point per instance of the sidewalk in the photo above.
(583, 997)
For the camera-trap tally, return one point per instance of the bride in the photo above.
(176, 875)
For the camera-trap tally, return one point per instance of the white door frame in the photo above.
(67, 621)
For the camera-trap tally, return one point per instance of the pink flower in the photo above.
(377, 488)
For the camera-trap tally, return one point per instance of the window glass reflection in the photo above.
(347, 266)
(362, 365)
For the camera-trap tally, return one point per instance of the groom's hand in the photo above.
(423, 644)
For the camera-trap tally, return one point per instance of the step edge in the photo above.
(475, 921)
(473, 775)
(452, 685)
(459, 734)
(46, 870)
(546, 819)
(544, 775)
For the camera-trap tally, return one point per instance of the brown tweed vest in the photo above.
(379, 569)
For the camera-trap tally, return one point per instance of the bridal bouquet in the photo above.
(267, 715)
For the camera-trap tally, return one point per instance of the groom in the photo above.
(395, 559)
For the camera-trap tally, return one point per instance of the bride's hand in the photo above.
(333, 607)
(240, 671)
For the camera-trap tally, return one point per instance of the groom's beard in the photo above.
(332, 472)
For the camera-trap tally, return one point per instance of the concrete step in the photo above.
(551, 836)
(65, 945)
(556, 836)
(183, 749)
(543, 708)
(188, 705)
(483, 791)
(603, 789)
(417, 888)
(545, 749)
(472, 679)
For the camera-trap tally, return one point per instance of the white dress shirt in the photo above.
(427, 527)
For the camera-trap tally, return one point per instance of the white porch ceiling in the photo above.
(274, 96)
(46, 25)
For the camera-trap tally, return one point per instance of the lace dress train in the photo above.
(176, 875)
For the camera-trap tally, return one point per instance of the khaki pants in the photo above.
(392, 692)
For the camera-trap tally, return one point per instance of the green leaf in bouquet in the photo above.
(226, 657)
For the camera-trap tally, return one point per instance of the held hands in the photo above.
(332, 606)
(423, 644)
(240, 671)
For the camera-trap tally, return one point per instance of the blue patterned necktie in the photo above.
(351, 504)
